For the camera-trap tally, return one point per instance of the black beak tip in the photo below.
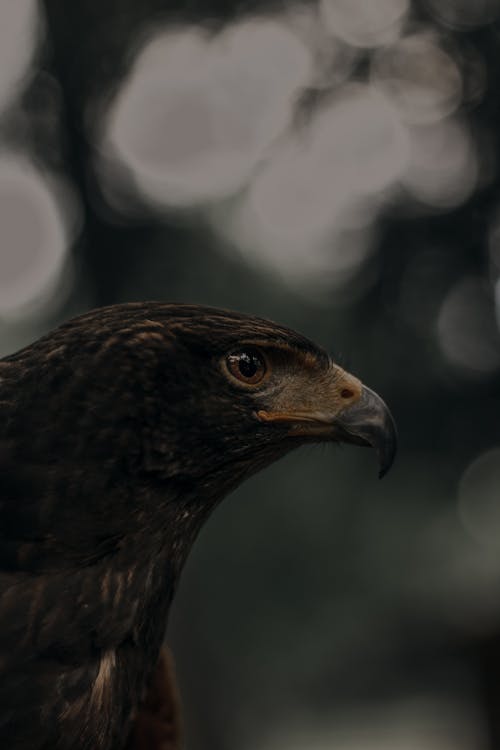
(384, 468)
(387, 447)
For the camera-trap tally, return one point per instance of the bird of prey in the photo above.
(120, 432)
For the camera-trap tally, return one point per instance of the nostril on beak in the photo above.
(346, 393)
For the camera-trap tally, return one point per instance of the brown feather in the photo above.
(158, 724)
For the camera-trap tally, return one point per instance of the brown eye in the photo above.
(248, 366)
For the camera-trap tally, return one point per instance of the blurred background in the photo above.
(334, 166)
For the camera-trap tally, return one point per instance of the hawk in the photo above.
(119, 433)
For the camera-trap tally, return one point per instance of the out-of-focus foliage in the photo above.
(332, 165)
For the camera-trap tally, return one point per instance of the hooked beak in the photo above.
(366, 422)
(369, 422)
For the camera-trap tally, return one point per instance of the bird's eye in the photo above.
(247, 366)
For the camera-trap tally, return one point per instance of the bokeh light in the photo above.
(19, 22)
(443, 170)
(198, 112)
(479, 505)
(417, 75)
(215, 122)
(333, 59)
(464, 14)
(421, 722)
(308, 211)
(363, 23)
(466, 327)
(37, 222)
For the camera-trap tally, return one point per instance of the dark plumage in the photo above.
(119, 433)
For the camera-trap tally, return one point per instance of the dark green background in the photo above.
(316, 596)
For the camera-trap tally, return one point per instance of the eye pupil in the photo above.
(248, 365)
